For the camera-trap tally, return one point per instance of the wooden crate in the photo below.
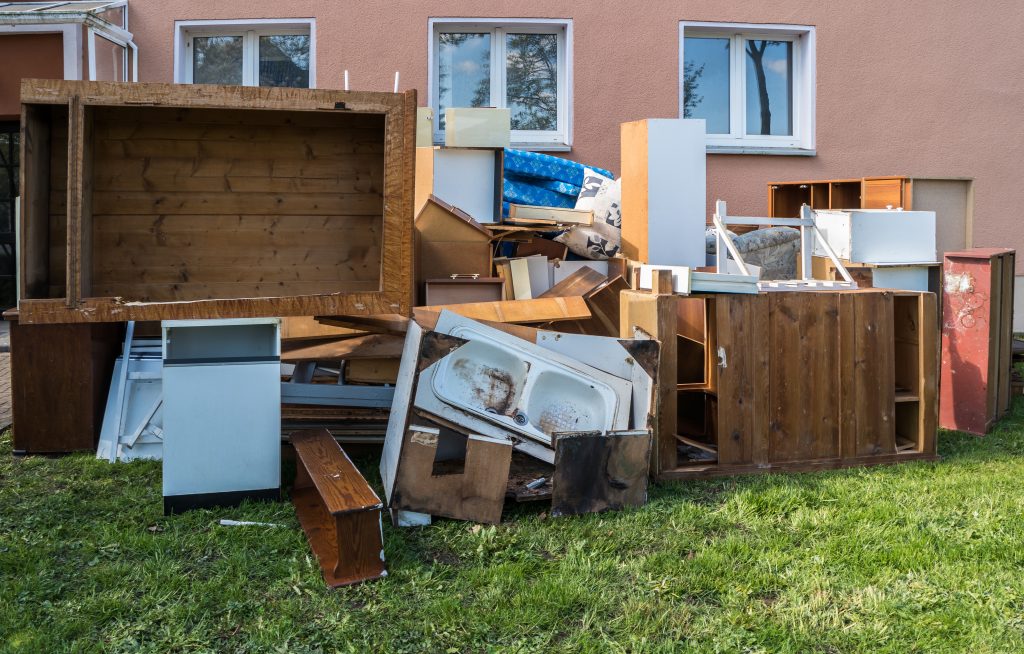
(789, 380)
(161, 201)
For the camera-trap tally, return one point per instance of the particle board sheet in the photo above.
(803, 362)
(211, 202)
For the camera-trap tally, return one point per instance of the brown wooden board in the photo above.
(468, 483)
(741, 357)
(338, 510)
(597, 471)
(538, 310)
(581, 282)
(202, 201)
(60, 375)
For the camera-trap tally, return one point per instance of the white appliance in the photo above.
(878, 235)
(221, 412)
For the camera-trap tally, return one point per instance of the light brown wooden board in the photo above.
(371, 346)
(538, 310)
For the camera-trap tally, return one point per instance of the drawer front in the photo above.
(881, 193)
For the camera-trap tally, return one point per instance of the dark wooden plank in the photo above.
(785, 377)
(742, 358)
(59, 380)
(874, 374)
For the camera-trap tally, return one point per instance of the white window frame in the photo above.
(129, 51)
(802, 141)
(558, 140)
(250, 30)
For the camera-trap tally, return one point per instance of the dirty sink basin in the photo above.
(526, 389)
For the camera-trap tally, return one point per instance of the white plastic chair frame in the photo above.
(808, 233)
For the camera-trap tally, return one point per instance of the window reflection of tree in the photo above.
(531, 74)
(755, 50)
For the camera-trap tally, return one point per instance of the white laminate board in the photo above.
(676, 187)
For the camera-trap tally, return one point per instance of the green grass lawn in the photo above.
(912, 558)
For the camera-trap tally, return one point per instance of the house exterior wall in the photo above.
(27, 55)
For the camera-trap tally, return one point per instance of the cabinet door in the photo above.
(741, 357)
(879, 193)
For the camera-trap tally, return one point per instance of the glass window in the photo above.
(274, 55)
(752, 84)
(519, 66)
(217, 60)
(706, 82)
(464, 71)
(109, 60)
(284, 60)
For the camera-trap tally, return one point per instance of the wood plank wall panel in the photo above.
(204, 203)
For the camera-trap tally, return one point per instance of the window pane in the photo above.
(284, 60)
(217, 60)
(109, 61)
(706, 82)
(464, 71)
(769, 88)
(531, 80)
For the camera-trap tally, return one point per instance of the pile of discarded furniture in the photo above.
(228, 279)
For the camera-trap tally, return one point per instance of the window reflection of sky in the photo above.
(712, 85)
(464, 66)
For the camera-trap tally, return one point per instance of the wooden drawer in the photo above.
(883, 192)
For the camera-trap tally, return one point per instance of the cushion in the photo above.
(601, 240)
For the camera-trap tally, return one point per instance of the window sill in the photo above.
(531, 147)
(750, 149)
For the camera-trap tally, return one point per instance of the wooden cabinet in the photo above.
(789, 380)
(977, 338)
(160, 201)
(952, 200)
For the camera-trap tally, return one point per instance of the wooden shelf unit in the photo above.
(174, 201)
(790, 380)
(951, 198)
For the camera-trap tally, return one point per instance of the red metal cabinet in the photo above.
(977, 326)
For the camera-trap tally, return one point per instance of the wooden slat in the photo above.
(273, 204)
(360, 347)
(656, 315)
(193, 291)
(537, 310)
(742, 405)
(874, 377)
(929, 358)
(581, 282)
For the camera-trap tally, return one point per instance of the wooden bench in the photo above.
(338, 510)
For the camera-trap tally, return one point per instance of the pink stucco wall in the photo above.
(917, 87)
